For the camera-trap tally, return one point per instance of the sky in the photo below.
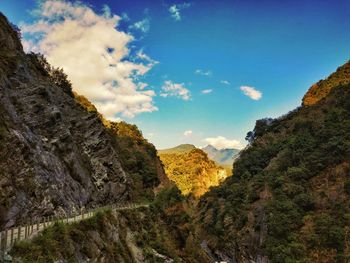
(199, 72)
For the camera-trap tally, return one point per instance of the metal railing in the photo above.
(10, 236)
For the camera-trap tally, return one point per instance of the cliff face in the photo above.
(56, 156)
(288, 200)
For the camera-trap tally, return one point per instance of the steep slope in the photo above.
(161, 233)
(223, 156)
(289, 198)
(191, 170)
(320, 90)
(56, 156)
(137, 155)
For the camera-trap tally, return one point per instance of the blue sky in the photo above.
(279, 48)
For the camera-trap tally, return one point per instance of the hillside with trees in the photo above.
(288, 200)
(320, 89)
(191, 169)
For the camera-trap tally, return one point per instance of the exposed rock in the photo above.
(56, 157)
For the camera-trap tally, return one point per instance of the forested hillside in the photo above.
(191, 169)
(288, 200)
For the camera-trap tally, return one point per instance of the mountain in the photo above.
(289, 198)
(182, 148)
(57, 153)
(191, 169)
(288, 201)
(322, 88)
(223, 156)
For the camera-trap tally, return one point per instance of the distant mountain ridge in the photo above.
(182, 148)
(223, 156)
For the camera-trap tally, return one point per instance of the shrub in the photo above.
(347, 187)
(56, 75)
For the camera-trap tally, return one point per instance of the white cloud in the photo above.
(93, 53)
(251, 92)
(203, 72)
(188, 133)
(221, 142)
(175, 10)
(226, 82)
(145, 58)
(207, 91)
(178, 90)
(143, 25)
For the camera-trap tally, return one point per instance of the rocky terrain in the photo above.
(288, 200)
(56, 156)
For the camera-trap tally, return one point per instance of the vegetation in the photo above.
(192, 171)
(182, 148)
(58, 241)
(138, 156)
(289, 197)
(164, 229)
(57, 75)
(320, 90)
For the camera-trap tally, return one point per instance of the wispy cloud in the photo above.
(143, 25)
(105, 74)
(206, 91)
(171, 89)
(125, 17)
(203, 72)
(251, 92)
(146, 59)
(188, 133)
(175, 10)
(225, 82)
(221, 142)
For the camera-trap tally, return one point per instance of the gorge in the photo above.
(285, 197)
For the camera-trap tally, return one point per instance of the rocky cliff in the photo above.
(57, 156)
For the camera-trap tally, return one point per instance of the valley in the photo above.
(99, 191)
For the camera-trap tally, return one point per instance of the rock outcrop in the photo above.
(56, 156)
